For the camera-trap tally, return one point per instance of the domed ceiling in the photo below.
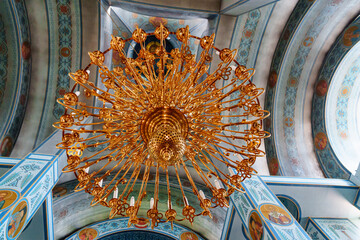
(306, 55)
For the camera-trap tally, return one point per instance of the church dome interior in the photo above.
(306, 56)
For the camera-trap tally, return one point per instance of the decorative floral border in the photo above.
(330, 164)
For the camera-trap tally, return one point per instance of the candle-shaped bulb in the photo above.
(202, 195)
(77, 93)
(186, 201)
(151, 203)
(231, 171)
(100, 183)
(87, 169)
(88, 71)
(132, 201)
(233, 67)
(116, 192)
(217, 184)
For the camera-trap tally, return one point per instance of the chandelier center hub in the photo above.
(164, 130)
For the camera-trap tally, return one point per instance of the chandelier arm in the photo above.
(156, 190)
(150, 71)
(168, 188)
(237, 137)
(170, 213)
(193, 160)
(67, 107)
(109, 160)
(144, 181)
(117, 164)
(128, 85)
(195, 190)
(218, 72)
(218, 100)
(226, 142)
(106, 148)
(232, 100)
(94, 93)
(220, 153)
(203, 204)
(211, 187)
(134, 174)
(121, 179)
(124, 84)
(181, 187)
(179, 89)
(137, 79)
(198, 66)
(172, 81)
(202, 175)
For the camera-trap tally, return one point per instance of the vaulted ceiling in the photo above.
(306, 55)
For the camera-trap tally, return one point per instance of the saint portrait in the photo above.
(7, 198)
(188, 236)
(17, 219)
(276, 214)
(88, 234)
(256, 228)
(59, 191)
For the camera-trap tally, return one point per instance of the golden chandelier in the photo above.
(159, 114)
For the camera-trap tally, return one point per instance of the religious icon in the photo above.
(188, 236)
(256, 229)
(142, 223)
(7, 198)
(59, 191)
(17, 219)
(276, 214)
(88, 234)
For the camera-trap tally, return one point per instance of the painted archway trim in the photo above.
(300, 11)
(329, 162)
(108, 227)
(11, 127)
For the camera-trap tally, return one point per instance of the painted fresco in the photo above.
(17, 219)
(300, 45)
(314, 232)
(336, 229)
(338, 77)
(72, 211)
(15, 71)
(88, 234)
(275, 214)
(120, 225)
(277, 218)
(256, 228)
(65, 46)
(22, 175)
(7, 198)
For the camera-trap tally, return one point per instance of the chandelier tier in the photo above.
(163, 113)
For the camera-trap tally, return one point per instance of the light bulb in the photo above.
(202, 195)
(186, 201)
(217, 184)
(132, 201)
(87, 169)
(116, 192)
(151, 203)
(231, 171)
(100, 183)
